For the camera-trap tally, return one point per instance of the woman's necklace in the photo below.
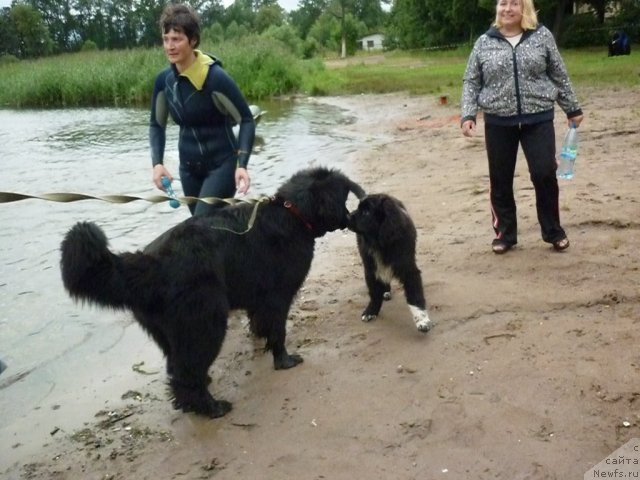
(505, 35)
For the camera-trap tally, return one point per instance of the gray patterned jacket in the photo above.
(520, 84)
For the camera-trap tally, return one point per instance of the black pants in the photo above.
(539, 147)
(218, 182)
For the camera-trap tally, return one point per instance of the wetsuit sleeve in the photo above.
(558, 74)
(471, 86)
(228, 98)
(158, 122)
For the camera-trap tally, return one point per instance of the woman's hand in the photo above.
(575, 120)
(243, 180)
(469, 128)
(160, 171)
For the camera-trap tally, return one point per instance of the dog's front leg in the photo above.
(414, 293)
(283, 360)
(272, 326)
(378, 279)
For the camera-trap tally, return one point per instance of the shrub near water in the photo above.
(114, 78)
(125, 77)
(262, 67)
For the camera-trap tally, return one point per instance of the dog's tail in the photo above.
(90, 271)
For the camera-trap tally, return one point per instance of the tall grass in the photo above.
(261, 66)
(115, 78)
(264, 67)
(125, 77)
(593, 68)
(441, 72)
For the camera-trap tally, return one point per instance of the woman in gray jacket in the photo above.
(515, 74)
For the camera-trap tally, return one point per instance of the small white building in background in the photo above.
(371, 42)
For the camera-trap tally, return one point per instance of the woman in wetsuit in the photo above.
(206, 103)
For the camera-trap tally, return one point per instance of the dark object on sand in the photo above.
(619, 44)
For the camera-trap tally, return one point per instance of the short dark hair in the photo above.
(181, 18)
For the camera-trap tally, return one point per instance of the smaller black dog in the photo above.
(387, 244)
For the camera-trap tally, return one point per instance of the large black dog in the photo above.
(387, 244)
(182, 286)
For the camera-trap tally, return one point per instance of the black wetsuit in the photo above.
(206, 103)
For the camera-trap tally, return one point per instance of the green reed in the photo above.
(125, 77)
(265, 68)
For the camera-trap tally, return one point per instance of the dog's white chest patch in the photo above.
(383, 271)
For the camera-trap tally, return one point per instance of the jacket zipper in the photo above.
(515, 76)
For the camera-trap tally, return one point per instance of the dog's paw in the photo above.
(367, 317)
(218, 408)
(287, 361)
(207, 406)
(421, 319)
(425, 325)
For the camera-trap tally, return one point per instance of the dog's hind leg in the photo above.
(413, 290)
(195, 343)
(151, 324)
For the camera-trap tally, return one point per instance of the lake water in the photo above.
(49, 343)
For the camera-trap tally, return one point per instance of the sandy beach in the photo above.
(531, 372)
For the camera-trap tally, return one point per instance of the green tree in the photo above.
(407, 25)
(322, 31)
(57, 16)
(339, 9)
(370, 12)
(8, 35)
(32, 35)
(307, 14)
(212, 13)
(90, 20)
(629, 19)
(337, 34)
(553, 14)
(350, 30)
(235, 31)
(213, 34)
(287, 35)
(149, 12)
(267, 16)
(241, 12)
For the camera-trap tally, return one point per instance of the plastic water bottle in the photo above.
(166, 184)
(568, 153)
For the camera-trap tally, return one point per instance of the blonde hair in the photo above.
(529, 16)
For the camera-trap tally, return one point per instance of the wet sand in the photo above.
(532, 371)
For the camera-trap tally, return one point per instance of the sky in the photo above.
(288, 5)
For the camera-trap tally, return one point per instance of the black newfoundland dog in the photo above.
(387, 244)
(182, 286)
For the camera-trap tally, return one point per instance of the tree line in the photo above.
(35, 28)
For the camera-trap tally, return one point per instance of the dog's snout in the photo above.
(351, 220)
